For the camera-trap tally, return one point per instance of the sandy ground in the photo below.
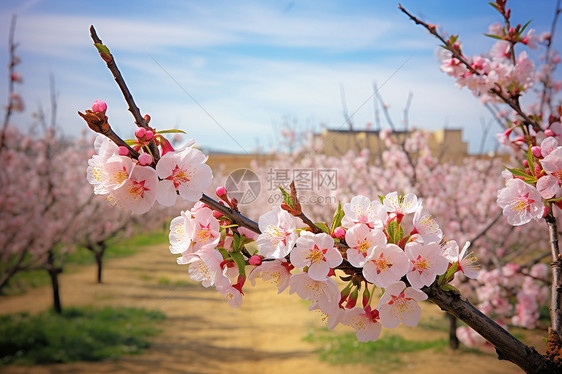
(202, 334)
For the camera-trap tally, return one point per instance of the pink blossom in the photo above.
(231, 294)
(331, 310)
(527, 311)
(190, 232)
(427, 263)
(467, 262)
(317, 252)
(548, 145)
(181, 231)
(138, 193)
(362, 210)
(277, 271)
(426, 228)
(469, 337)
(520, 202)
(183, 171)
(366, 323)
(387, 264)
(108, 174)
(550, 184)
(278, 233)
(249, 234)
(362, 241)
(401, 204)
(204, 266)
(399, 305)
(314, 290)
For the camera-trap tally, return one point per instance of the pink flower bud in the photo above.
(221, 191)
(123, 151)
(145, 159)
(255, 260)
(140, 132)
(99, 106)
(339, 233)
(149, 135)
(136, 147)
(525, 163)
(147, 118)
(16, 77)
(538, 170)
(549, 132)
(519, 139)
(217, 214)
(536, 150)
(165, 145)
(545, 212)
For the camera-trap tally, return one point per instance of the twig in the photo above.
(556, 289)
(135, 111)
(488, 227)
(507, 346)
(513, 103)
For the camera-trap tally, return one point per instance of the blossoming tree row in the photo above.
(388, 243)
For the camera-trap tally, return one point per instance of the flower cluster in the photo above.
(135, 184)
(369, 242)
(529, 191)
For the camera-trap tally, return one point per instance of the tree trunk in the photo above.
(453, 340)
(54, 275)
(99, 260)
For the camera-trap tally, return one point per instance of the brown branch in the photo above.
(234, 216)
(556, 289)
(507, 346)
(488, 227)
(133, 108)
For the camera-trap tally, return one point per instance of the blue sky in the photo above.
(251, 64)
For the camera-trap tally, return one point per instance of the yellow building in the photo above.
(446, 143)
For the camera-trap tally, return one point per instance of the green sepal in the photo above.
(338, 216)
(526, 177)
(322, 226)
(531, 160)
(236, 243)
(395, 232)
(494, 36)
(171, 131)
(131, 141)
(525, 26)
(240, 262)
(102, 48)
(224, 252)
(287, 198)
(381, 198)
(448, 275)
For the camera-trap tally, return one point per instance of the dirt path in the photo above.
(202, 334)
